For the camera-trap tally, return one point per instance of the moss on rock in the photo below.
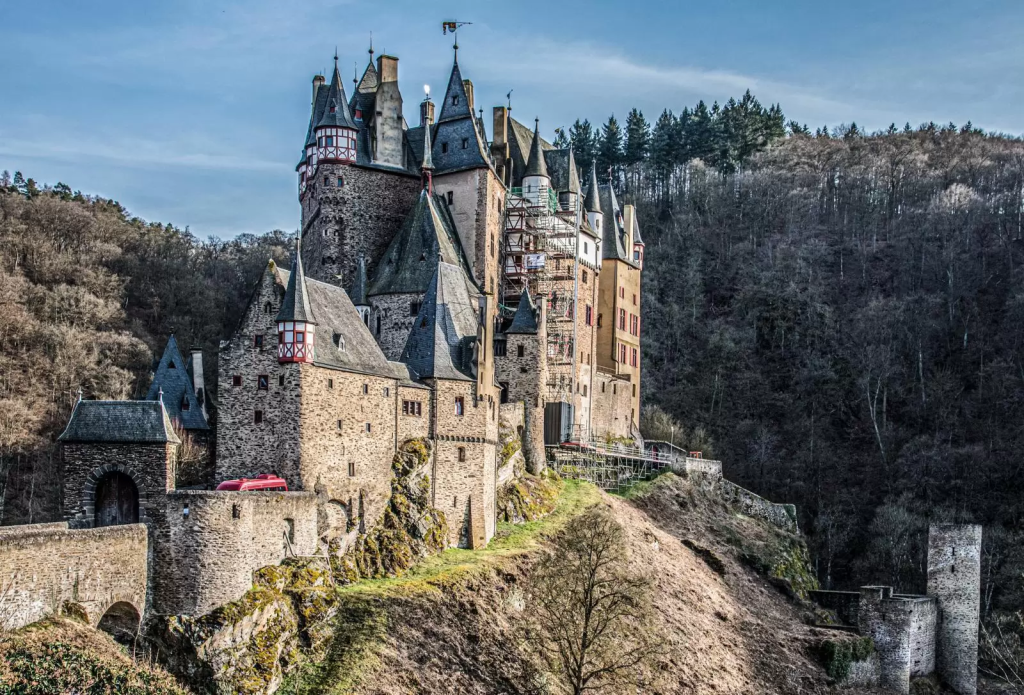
(838, 656)
(527, 498)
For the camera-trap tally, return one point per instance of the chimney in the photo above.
(198, 383)
(318, 81)
(387, 68)
(500, 126)
(468, 86)
(426, 112)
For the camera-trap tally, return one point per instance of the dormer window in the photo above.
(333, 108)
(359, 114)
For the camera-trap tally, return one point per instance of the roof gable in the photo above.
(172, 379)
(525, 318)
(427, 237)
(441, 342)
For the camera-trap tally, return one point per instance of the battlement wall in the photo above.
(42, 566)
(209, 543)
(780, 515)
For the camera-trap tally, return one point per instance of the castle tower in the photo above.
(536, 180)
(295, 325)
(592, 205)
(389, 131)
(954, 579)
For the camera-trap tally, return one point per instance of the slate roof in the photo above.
(427, 236)
(520, 140)
(358, 291)
(120, 422)
(454, 124)
(536, 166)
(370, 79)
(295, 306)
(336, 98)
(415, 137)
(592, 203)
(613, 244)
(525, 318)
(562, 171)
(441, 342)
(636, 232)
(173, 379)
(341, 340)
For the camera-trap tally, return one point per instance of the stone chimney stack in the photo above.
(388, 119)
(468, 86)
(426, 112)
(499, 146)
(198, 382)
(318, 82)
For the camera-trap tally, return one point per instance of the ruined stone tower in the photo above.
(954, 579)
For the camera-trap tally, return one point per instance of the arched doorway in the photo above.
(117, 501)
(121, 621)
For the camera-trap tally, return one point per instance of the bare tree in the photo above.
(592, 617)
(1002, 650)
(193, 465)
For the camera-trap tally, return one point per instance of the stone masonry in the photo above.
(42, 566)
(954, 579)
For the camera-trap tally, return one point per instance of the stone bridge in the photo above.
(48, 568)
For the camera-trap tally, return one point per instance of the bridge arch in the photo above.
(121, 621)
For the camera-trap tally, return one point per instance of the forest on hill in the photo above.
(837, 315)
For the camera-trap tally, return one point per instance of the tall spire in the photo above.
(428, 160)
(593, 200)
(295, 306)
(536, 166)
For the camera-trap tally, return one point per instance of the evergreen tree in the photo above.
(561, 141)
(701, 134)
(609, 153)
(664, 151)
(638, 143)
(584, 143)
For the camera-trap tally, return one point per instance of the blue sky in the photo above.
(193, 112)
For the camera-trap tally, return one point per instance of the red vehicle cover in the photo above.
(264, 481)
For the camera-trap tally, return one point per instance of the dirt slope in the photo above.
(728, 629)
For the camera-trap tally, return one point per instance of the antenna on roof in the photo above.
(160, 394)
(335, 57)
(509, 97)
(355, 72)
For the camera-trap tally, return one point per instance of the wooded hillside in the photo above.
(88, 296)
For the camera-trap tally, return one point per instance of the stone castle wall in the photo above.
(209, 543)
(246, 448)
(414, 426)
(888, 623)
(358, 218)
(611, 405)
(526, 377)
(780, 515)
(44, 565)
(457, 482)
(923, 613)
(348, 426)
(954, 579)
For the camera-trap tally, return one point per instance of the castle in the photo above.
(443, 284)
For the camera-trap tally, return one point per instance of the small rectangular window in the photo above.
(280, 380)
(366, 388)
(499, 348)
(520, 350)
(330, 383)
(339, 425)
(257, 341)
(462, 453)
(634, 299)
(351, 468)
(583, 274)
(451, 197)
(634, 390)
(341, 182)
(444, 148)
(584, 390)
(367, 427)
(262, 382)
(257, 417)
(460, 406)
(236, 380)
(414, 308)
(465, 143)
(590, 316)
(387, 391)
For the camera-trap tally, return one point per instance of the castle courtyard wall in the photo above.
(42, 566)
(210, 543)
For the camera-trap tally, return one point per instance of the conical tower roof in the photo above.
(336, 112)
(173, 381)
(525, 318)
(295, 306)
(536, 166)
(574, 176)
(593, 200)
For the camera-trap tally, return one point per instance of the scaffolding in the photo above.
(540, 252)
(611, 467)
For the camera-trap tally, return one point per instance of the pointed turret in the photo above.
(592, 205)
(295, 321)
(458, 141)
(525, 318)
(536, 166)
(575, 187)
(335, 131)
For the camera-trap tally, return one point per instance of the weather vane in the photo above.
(453, 27)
